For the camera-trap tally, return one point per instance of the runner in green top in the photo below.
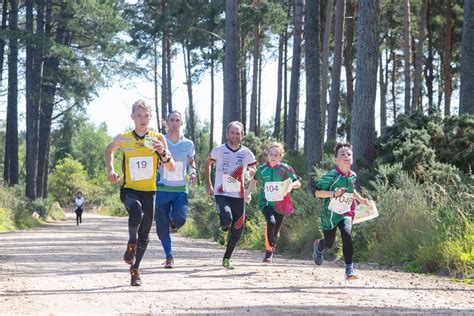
(276, 182)
(337, 190)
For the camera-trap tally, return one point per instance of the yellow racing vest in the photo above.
(139, 164)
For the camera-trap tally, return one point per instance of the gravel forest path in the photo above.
(61, 268)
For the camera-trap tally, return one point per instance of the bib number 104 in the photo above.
(272, 188)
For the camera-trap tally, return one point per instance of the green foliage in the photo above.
(56, 212)
(203, 213)
(67, 178)
(454, 141)
(17, 208)
(41, 206)
(258, 145)
(201, 143)
(422, 142)
(6, 220)
(112, 206)
(425, 227)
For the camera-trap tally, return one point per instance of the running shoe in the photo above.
(317, 255)
(226, 263)
(129, 255)
(268, 258)
(173, 227)
(350, 275)
(135, 277)
(169, 263)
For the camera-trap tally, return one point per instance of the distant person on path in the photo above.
(232, 161)
(142, 150)
(79, 204)
(276, 180)
(337, 190)
(171, 206)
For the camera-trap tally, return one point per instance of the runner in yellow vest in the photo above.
(143, 150)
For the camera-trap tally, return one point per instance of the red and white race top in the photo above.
(230, 169)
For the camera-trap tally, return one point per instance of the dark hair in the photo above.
(340, 145)
(175, 112)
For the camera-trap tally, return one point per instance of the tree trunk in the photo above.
(231, 110)
(466, 104)
(285, 86)
(325, 60)
(293, 107)
(415, 105)
(155, 84)
(11, 167)
(259, 101)
(407, 53)
(2, 41)
(429, 62)
(48, 88)
(383, 82)
(211, 132)
(447, 50)
(336, 71)
(51, 66)
(348, 56)
(314, 128)
(164, 68)
(440, 87)
(169, 76)
(285, 74)
(189, 85)
(394, 83)
(253, 98)
(243, 88)
(363, 112)
(277, 126)
(34, 64)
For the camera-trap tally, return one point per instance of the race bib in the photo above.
(141, 168)
(176, 174)
(230, 184)
(274, 191)
(341, 204)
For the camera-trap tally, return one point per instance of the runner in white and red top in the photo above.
(232, 161)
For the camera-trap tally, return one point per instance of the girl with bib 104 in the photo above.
(276, 180)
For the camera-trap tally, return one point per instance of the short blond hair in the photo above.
(141, 104)
(278, 146)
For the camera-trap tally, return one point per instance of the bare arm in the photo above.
(295, 184)
(192, 170)
(207, 173)
(360, 199)
(248, 193)
(112, 176)
(165, 156)
(329, 194)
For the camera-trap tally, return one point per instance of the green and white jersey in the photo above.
(335, 209)
(271, 187)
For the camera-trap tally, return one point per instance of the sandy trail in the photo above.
(62, 268)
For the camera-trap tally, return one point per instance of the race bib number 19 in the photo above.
(230, 184)
(141, 168)
(341, 204)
